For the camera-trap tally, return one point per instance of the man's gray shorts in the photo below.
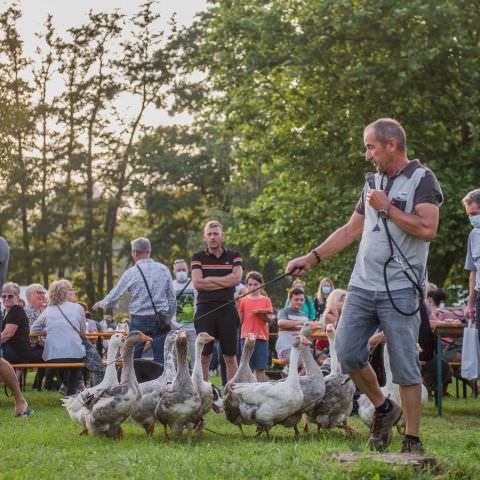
(363, 312)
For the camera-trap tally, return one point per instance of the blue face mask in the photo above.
(475, 221)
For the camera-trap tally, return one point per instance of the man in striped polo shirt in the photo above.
(215, 273)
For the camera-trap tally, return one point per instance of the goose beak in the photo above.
(209, 338)
(306, 341)
(145, 338)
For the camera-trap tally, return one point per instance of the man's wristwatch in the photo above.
(383, 213)
(316, 255)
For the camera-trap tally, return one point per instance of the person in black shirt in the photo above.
(215, 273)
(15, 336)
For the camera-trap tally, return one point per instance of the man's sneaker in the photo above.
(381, 429)
(414, 447)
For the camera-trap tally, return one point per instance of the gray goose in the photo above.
(144, 410)
(336, 406)
(110, 407)
(179, 405)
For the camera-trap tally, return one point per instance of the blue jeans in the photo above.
(148, 325)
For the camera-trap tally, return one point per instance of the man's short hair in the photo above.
(141, 245)
(472, 197)
(295, 291)
(387, 128)
(213, 224)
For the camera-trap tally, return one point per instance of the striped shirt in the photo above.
(213, 266)
(160, 283)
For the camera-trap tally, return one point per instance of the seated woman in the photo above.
(333, 308)
(331, 315)
(15, 336)
(62, 320)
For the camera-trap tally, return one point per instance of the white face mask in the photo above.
(326, 290)
(475, 221)
(181, 276)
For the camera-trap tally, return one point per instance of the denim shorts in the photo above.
(259, 359)
(364, 312)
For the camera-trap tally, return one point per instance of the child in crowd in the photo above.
(291, 319)
(255, 311)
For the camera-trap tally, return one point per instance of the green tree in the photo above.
(296, 82)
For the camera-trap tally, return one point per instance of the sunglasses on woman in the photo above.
(8, 295)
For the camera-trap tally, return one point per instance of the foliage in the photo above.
(296, 83)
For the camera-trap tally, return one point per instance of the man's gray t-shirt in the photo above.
(285, 337)
(472, 261)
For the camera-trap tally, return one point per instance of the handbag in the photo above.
(162, 322)
(93, 360)
(470, 353)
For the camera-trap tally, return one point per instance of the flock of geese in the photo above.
(179, 400)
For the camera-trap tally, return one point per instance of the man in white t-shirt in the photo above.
(290, 321)
(186, 303)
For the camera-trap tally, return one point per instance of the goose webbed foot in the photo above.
(83, 432)
(296, 432)
(165, 432)
(349, 430)
(241, 430)
(149, 429)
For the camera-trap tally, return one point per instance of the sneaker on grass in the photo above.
(412, 446)
(381, 430)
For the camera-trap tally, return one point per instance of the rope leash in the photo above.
(230, 302)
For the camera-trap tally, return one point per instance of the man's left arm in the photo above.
(423, 222)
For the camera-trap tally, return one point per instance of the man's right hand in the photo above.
(301, 265)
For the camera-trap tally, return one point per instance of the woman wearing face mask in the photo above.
(324, 289)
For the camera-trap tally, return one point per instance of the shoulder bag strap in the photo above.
(179, 294)
(148, 288)
(71, 324)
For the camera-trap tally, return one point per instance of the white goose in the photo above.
(336, 406)
(208, 394)
(144, 409)
(366, 409)
(110, 407)
(244, 374)
(75, 404)
(313, 382)
(269, 403)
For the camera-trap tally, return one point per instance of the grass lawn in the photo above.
(47, 446)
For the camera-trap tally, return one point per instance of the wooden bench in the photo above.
(30, 366)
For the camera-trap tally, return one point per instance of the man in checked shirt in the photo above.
(150, 315)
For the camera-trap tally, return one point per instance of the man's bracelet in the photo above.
(317, 256)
